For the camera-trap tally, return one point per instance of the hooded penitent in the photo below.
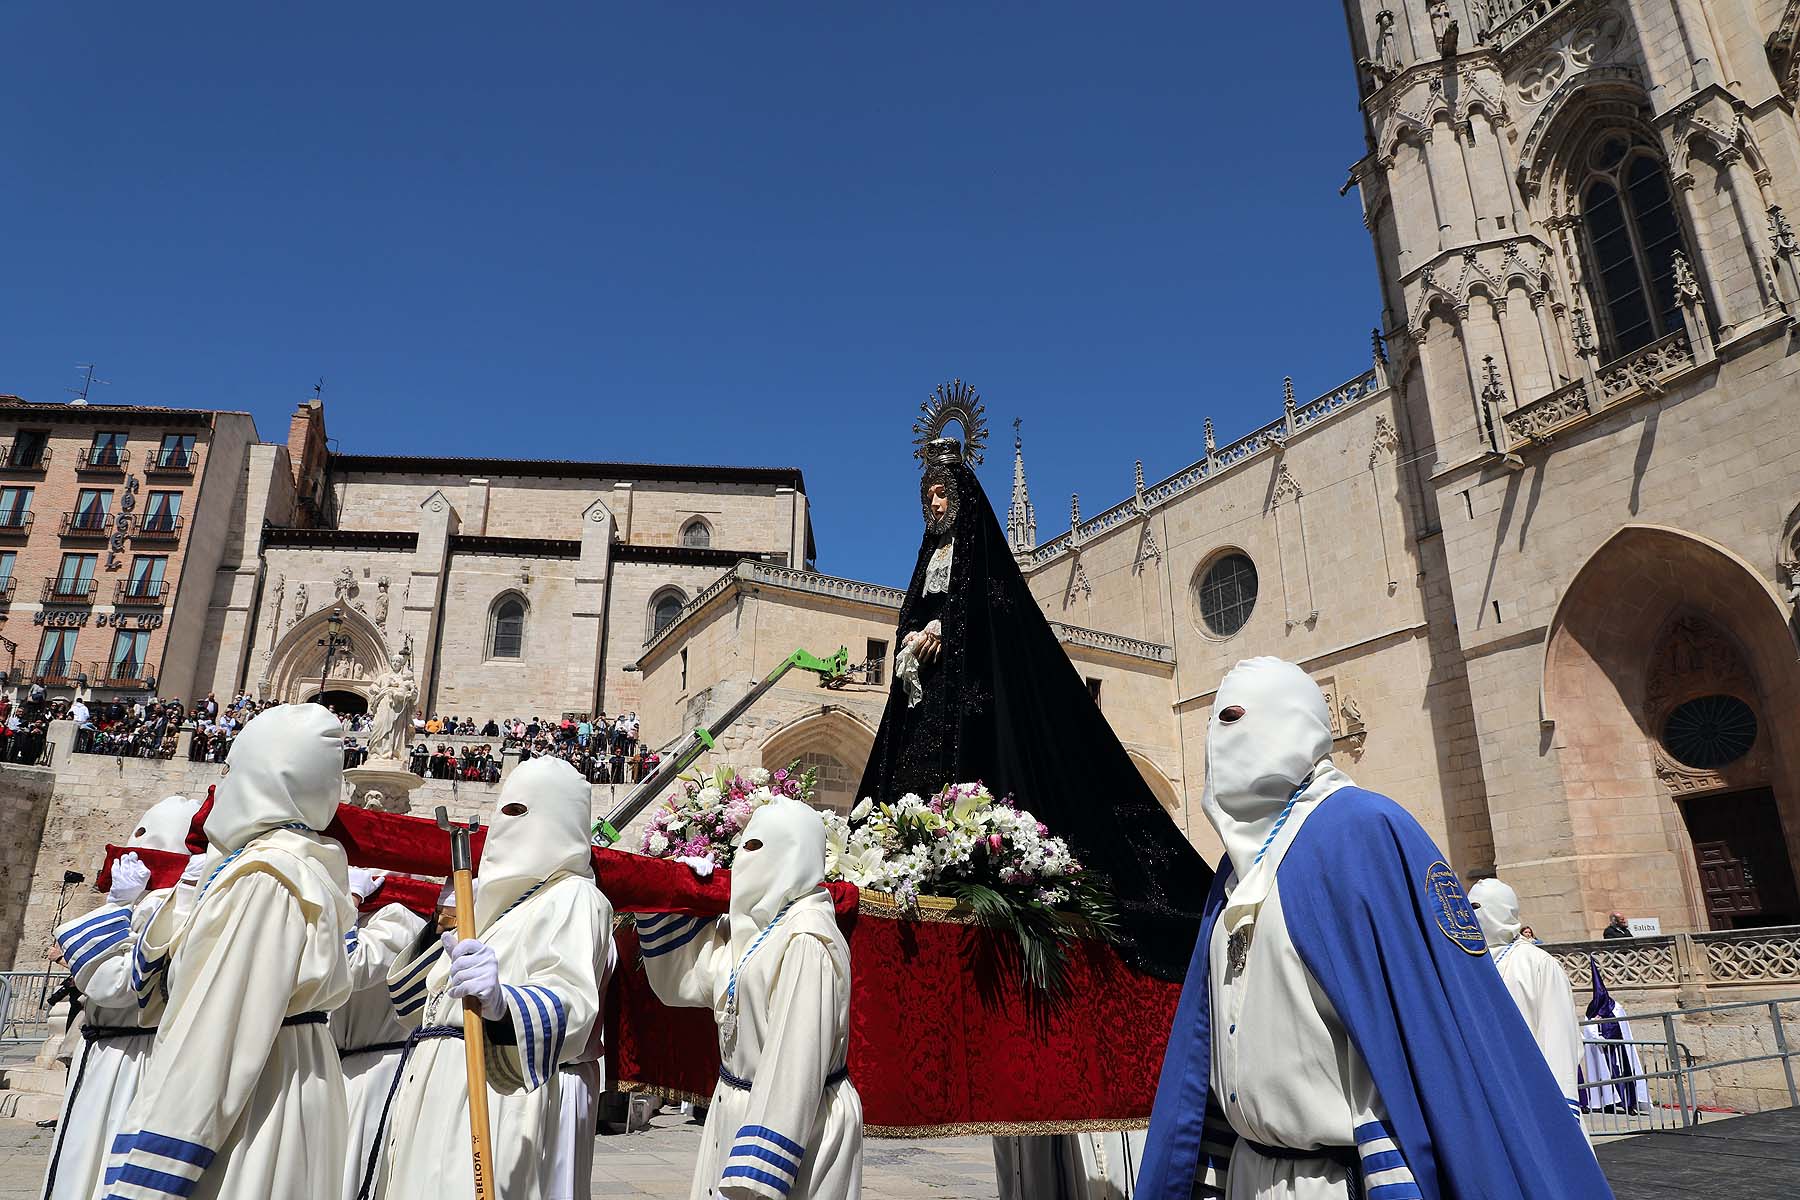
(165, 826)
(1270, 733)
(1497, 908)
(539, 829)
(780, 857)
(1003, 705)
(286, 768)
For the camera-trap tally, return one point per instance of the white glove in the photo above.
(363, 883)
(196, 863)
(130, 877)
(475, 972)
(703, 867)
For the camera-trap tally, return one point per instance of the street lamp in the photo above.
(335, 639)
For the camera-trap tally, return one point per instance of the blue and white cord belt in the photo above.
(743, 1085)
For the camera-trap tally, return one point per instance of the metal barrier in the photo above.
(1668, 1068)
(25, 1000)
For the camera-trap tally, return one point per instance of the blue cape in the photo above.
(1383, 925)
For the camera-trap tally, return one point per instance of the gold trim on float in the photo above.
(939, 909)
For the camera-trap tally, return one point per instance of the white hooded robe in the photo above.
(1284, 1068)
(368, 1033)
(785, 1121)
(243, 1098)
(537, 908)
(118, 1033)
(1537, 984)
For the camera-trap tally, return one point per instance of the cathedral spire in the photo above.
(1021, 521)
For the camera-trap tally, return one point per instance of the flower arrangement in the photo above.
(963, 843)
(968, 845)
(706, 814)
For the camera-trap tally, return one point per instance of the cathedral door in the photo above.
(1745, 873)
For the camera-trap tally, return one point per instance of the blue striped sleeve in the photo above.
(763, 1162)
(146, 1165)
(86, 941)
(407, 990)
(1385, 1173)
(667, 936)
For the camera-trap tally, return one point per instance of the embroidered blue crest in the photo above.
(1451, 907)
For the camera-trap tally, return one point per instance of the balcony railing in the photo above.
(140, 591)
(170, 461)
(15, 520)
(157, 528)
(92, 523)
(7, 583)
(15, 456)
(62, 672)
(125, 675)
(109, 459)
(58, 588)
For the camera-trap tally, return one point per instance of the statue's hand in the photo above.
(927, 647)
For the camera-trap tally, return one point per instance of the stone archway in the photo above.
(297, 667)
(832, 742)
(1657, 617)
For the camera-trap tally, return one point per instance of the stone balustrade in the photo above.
(1113, 643)
(1734, 958)
(1223, 458)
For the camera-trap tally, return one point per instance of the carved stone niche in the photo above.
(1788, 565)
(1348, 733)
(1695, 658)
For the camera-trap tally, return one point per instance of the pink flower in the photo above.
(1043, 829)
(995, 841)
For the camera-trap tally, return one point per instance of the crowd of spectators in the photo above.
(602, 749)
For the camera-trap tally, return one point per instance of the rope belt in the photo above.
(743, 1085)
(425, 1033)
(311, 1018)
(1344, 1156)
(108, 1033)
(376, 1048)
(92, 1035)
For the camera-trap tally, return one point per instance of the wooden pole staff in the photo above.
(474, 1041)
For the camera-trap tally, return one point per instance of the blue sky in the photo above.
(746, 233)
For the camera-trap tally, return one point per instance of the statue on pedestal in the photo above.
(394, 693)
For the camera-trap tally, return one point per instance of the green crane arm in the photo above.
(832, 672)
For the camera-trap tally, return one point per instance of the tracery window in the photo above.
(1632, 235)
(506, 637)
(696, 534)
(1226, 593)
(664, 608)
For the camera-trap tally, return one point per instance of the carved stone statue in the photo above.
(381, 601)
(299, 602)
(344, 584)
(394, 693)
(373, 799)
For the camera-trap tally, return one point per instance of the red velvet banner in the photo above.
(944, 1039)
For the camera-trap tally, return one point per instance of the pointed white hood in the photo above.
(286, 767)
(1497, 908)
(788, 863)
(545, 834)
(165, 826)
(1255, 762)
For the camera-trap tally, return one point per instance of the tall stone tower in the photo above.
(1565, 194)
(1581, 216)
(1021, 519)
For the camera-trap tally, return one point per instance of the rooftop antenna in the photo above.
(87, 382)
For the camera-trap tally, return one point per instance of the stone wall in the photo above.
(61, 818)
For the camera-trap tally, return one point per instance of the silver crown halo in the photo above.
(954, 401)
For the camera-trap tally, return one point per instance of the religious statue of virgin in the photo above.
(982, 691)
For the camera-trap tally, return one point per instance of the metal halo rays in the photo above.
(954, 401)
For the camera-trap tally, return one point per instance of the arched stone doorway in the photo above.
(832, 743)
(342, 701)
(298, 669)
(1668, 665)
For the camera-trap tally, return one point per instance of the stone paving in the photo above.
(656, 1162)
